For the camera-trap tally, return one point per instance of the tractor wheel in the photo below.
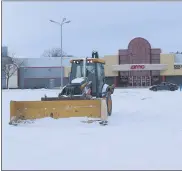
(109, 104)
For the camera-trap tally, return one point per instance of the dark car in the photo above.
(164, 86)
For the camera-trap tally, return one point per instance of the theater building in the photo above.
(141, 65)
(138, 65)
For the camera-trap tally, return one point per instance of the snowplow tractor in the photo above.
(86, 95)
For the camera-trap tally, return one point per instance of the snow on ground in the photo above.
(144, 132)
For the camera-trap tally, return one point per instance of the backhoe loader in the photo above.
(85, 95)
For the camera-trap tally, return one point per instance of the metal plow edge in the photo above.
(57, 109)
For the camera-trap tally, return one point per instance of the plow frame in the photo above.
(25, 110)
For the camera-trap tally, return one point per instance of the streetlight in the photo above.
(64, 21)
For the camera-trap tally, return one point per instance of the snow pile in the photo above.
(78, 80)
(144, 132)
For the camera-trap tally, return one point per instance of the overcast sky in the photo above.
(102, 26)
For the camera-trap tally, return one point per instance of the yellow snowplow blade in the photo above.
(55, 109)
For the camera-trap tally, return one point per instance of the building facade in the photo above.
(139, 52)
(173, 73)
(4, 51)
(10, 72)
(3, 80)
(40, 77)
(5, 60)
(112, 77)
(42, 72)
(139, 65)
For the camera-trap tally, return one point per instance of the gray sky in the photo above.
(102, 26)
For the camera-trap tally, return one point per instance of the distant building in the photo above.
(3, 80)
(42, 72)
(5, 59)
(173, 73)
(139, 65)
(4, 51)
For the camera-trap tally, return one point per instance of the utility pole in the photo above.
(64, 21)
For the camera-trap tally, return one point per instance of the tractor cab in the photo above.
(89, 70)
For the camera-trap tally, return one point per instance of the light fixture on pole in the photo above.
(64, 21)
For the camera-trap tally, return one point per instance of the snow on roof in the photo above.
(45, 61)
(78, 80)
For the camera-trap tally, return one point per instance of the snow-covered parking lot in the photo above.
(144, 132)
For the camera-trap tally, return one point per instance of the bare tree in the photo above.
(10, 69)
(54, 52)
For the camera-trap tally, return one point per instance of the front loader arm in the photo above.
(107, 89)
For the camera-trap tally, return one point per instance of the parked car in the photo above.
(164, 86)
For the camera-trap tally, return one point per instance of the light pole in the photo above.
(64, 21)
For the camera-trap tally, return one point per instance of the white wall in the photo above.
(44, 61)
(13, 81)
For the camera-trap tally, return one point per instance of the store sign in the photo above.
(177, 66)
(137, 67)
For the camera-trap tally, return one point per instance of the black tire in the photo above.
(154, 89)
(109, 104)
(172, 89)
